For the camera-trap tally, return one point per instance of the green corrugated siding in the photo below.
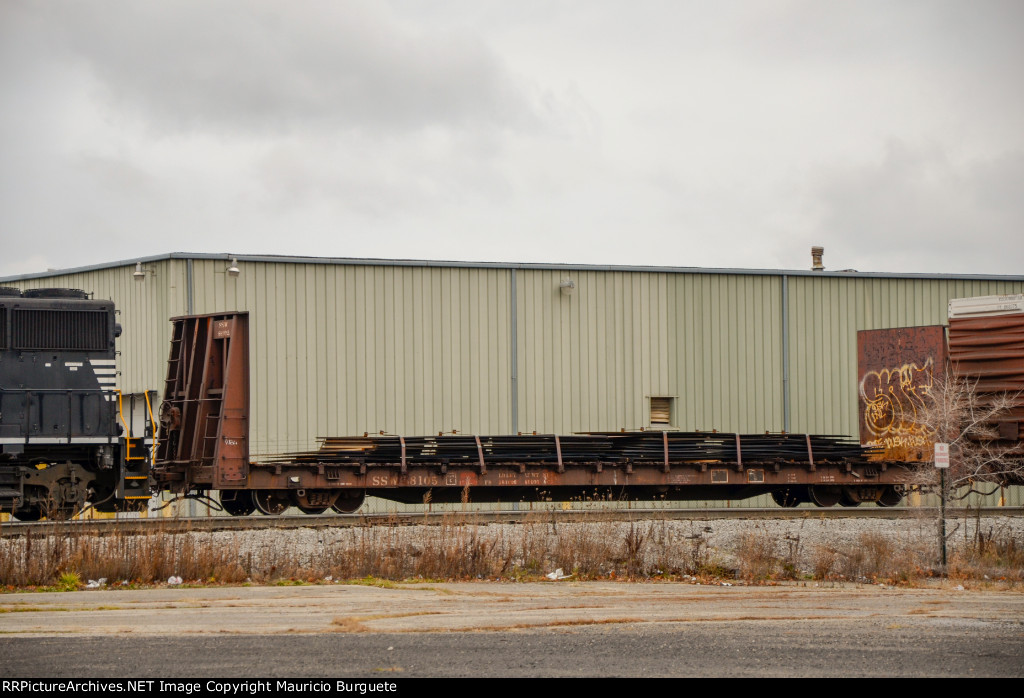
(348, 349)
(343, 349)
(824, 316)
(143, 310)
(591, 360)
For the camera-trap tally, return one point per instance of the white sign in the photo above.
(941, 455)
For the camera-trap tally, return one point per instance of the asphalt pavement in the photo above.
(566, 628)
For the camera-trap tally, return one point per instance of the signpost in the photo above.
(942, 463)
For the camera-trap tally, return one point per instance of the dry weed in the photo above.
(462, 548)
(881, 558)
(348, 625)
(756, 556)
(823, 561)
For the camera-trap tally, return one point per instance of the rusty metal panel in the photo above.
(205, 414)
(506, 481)
(897, 368)
(989, 351)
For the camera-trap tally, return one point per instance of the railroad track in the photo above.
(228, 523)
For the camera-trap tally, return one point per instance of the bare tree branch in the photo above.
(957, 414)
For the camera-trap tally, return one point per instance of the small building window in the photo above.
(661, 411)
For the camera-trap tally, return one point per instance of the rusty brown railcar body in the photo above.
(989, 352)
(897, 369)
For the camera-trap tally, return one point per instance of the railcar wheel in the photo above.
(349, 501)
(270, 502)
(237, 502)
(846, 499)
(891, 496)
(825, 495)
(313, 502)
(788, 497)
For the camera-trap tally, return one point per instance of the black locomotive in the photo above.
(64, 440)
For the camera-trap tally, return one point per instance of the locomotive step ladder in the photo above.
(136, 450)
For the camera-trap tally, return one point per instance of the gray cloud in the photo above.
(661, 131)
(229, 65)
(915, 209)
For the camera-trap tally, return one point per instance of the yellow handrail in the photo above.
(152, 422)
(127, 432)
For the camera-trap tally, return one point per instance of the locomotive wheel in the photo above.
(891, 496)
(788, 497)
(270, 502)
(237, 502)
(825, 495)
(349, 501)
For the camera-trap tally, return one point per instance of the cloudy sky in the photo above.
(689, 133)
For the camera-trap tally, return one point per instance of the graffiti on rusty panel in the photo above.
(897, 373)
(893, 401)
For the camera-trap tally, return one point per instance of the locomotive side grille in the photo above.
(3, 328)
(59, 329)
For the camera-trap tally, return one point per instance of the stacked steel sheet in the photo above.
(703, 446)
(614, 447)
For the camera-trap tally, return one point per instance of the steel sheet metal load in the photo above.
(606, 447)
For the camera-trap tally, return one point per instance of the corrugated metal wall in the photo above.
(340, 349)
(347, 348)
(825, 314)
(591, 360)
(143, 310)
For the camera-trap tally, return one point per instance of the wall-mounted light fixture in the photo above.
(233, 270)
(567, 286)
(141, 271)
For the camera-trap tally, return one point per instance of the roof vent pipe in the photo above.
(816, 253)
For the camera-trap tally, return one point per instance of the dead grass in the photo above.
(52, 559)
(756, 552)
(879, 558)
(823, 562)
(560, 623)
(348, 625)
(460, 549)
(993, 554)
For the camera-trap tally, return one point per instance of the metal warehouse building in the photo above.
(346, 346)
